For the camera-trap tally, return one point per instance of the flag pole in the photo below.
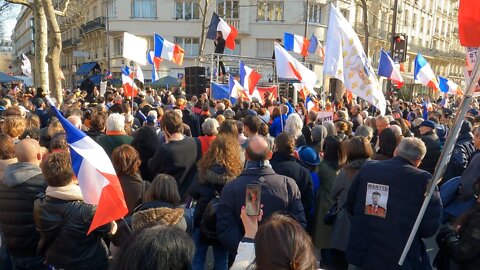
(445, 156)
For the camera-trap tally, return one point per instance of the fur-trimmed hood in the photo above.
(216, 175)
(161, 215)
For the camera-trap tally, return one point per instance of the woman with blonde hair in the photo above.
(14, 126)
(219, 166)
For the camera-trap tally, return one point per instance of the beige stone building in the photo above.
(6, 56)
(430, 25)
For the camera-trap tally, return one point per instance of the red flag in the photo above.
(469, 23)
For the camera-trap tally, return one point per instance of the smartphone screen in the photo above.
(252, 199)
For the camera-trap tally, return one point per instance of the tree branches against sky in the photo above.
(8, 13)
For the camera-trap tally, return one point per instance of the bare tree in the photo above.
(204, 13)
(54, 51)
(40, 67)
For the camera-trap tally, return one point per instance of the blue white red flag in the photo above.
(295, 43)
(449, 87)
(248, 78)
(229, 32)
(167, 50)
(388, 69)
(108, 74)
(129, 86)
(95, 174)
(423, 73)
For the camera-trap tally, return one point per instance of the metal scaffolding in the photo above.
(264, 66)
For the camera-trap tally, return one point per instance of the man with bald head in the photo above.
(278, 193)
(22, 182)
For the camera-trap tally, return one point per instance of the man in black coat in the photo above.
(357, 119)
(278, 193)
(432, 142)
(284, 163)
(377, 239)
(220, 43)
(22, 182)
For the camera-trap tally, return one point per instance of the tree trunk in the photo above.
(40, 67)
(365, 25)
(54, 52)
(204, 23)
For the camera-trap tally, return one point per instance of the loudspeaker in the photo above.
(195, 81)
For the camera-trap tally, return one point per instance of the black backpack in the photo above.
(208, 223)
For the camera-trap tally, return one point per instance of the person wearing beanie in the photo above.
(319, 133)
(462, 152)
(429, 136)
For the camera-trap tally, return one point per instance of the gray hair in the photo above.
(153, 112)
(397, 130)
(210, 127)
(411, 149)
(220, 106)
(116, 122)
(294, 125)
(364, 131)
(331, 130)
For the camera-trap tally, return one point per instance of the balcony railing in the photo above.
(71, 42)
(234, 22)
(97, 23)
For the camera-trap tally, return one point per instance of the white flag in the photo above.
(346, 61)
(26, 66)
(140, 74)
(134, 48)
(288, 67)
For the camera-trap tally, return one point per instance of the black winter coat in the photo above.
(19, 187)
(434, 150)
(461, 155)
(192, 121)
(64, 242)
(279, 193)
(462, 248)
(285, 164)
(204, 187)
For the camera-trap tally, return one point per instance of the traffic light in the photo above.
(400, 42)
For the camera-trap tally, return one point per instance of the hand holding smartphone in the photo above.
(253, 194)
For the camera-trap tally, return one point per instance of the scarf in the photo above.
(70, 192)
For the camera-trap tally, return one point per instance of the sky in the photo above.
(10, 23)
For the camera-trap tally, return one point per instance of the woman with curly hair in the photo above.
(219, 166)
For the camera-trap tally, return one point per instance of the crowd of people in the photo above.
(341, 194)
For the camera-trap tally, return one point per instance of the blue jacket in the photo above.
(377, 242)
(279, 193)
(278, 125)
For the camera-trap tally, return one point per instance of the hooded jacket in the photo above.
(20, 185)
(461, 156)
(204, 187)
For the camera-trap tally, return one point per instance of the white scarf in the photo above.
(70, 192)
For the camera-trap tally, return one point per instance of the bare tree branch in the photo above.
(63, 12)
(20, 2)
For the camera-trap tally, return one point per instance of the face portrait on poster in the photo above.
(376, 200)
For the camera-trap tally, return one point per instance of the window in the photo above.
(190, 45)
(236, 51)
(315, 13)
(265, 47)
(270, 11)
(118, 46)
(187, 10)
(144, 9)
(227, 9)
(112, 8)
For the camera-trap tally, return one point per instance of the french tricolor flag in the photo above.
(129, 86)
(248, 78)
(388, 69)
(155, 62)
(236, 90)
(424, 74)
(296, 43)
(229, 32)
(95, 174)
(311, 105)
(449, 87)
(167, 50)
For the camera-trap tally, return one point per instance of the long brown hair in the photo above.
(224, 151)
(293, 246)
(126, 160)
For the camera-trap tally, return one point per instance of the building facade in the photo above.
(431, 27)
(6, 56)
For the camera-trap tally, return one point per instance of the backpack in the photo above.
(208, 223)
